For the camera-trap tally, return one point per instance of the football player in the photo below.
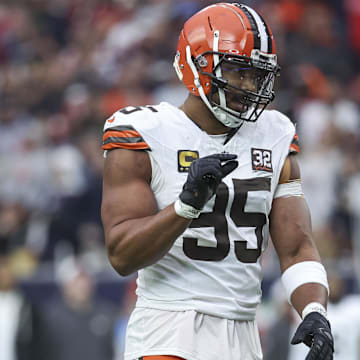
(191, 195)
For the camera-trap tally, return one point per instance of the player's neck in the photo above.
(197, 111)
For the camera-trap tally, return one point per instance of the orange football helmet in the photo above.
(223, 34)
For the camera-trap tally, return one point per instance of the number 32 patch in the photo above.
(261, 160)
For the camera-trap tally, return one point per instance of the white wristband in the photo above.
(302, 273)
(186, 211)
(314, 307)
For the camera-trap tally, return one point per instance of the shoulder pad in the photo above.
(285, 124)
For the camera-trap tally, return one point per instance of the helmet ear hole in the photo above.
(202, 61)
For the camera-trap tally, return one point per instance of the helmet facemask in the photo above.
(250, 102)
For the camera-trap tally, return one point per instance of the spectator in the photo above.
(19, 318)
(77, 326)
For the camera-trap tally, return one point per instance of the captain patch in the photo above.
(185, 158)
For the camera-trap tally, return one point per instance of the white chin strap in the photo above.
(223, 116)
(229, 119)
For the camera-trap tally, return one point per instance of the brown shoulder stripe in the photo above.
(125, 137)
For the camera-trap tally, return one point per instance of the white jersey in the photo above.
(214, 266)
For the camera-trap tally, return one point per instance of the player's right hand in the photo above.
(205, 175)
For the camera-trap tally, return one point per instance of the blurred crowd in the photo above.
(66, 65)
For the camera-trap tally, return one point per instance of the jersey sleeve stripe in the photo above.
(125, 137)
(120, 128)
(294, 146)
(294, 149)
(126, 134)
(123, 140)
(128, 146)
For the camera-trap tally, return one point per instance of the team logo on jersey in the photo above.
(185, 158)
(261, 160)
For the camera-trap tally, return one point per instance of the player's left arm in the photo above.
(291, 233)
(304, 277)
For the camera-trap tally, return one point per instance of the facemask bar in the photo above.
(264, 91)
(256, 101)
(259, 100)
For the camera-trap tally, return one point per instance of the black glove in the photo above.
(205, 175)
(315, 332)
